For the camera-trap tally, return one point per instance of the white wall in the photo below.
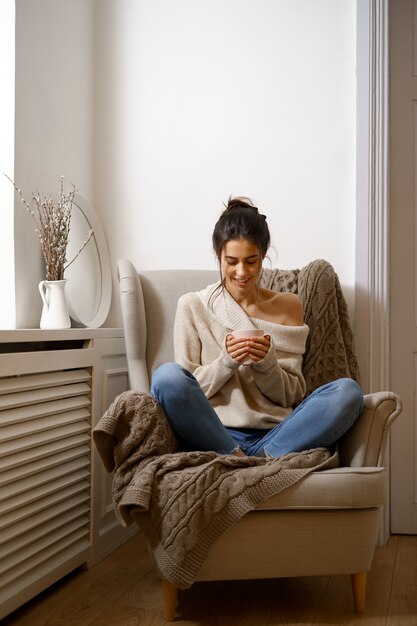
(54, 128)
(158, 111)
(7, 116)
(200, 99)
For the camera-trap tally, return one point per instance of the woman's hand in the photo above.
(252, 349)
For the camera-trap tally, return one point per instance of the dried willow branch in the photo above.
(52, 227)
(87, 239)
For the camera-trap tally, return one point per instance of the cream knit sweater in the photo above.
(243, 396)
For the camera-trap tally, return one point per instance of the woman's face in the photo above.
(240, 264)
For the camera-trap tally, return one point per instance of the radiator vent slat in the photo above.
(25, 498)
(25, 526)
(54, 434)
(40, 552)
(41, 424)
(48, 463)
(14, 384)
(45, 530)
(42, 451)
(44, 480)
(51, 562)
(46, 394)
(23, 511)
(43, 409)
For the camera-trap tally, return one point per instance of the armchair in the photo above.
(326, 524)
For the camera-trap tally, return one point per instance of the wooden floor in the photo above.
(123, 590)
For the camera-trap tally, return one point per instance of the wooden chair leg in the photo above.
(359, 591)
(169, 595)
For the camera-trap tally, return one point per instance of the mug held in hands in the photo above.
(246, 334)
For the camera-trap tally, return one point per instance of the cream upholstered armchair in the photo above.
(326, 524)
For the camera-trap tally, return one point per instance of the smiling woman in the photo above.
(241, 241)
(246, 395)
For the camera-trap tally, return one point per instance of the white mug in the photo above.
(245, 334)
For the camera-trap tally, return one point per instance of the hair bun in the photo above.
(241, 220)
(240, 202)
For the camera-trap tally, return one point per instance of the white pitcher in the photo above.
(55, 308)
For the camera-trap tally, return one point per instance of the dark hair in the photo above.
(241, 220)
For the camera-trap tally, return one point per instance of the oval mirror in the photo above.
(89, 283)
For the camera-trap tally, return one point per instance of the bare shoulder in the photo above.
(293, 308)
(284, 308)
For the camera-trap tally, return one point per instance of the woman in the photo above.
(246, 396)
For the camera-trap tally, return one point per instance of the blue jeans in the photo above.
(318, 421)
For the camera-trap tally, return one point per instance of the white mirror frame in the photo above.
(99, 316)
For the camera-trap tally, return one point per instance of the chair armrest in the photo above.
(134, 324)
(365, 443)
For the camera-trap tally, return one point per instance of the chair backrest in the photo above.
(148, 302)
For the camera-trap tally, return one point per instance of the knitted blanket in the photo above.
(183, 501)
(330, 350)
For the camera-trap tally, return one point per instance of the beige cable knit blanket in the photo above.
(330, 350)
(183, 501)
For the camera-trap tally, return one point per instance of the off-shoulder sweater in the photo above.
(244, 396)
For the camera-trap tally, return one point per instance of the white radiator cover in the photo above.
(45, 470)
